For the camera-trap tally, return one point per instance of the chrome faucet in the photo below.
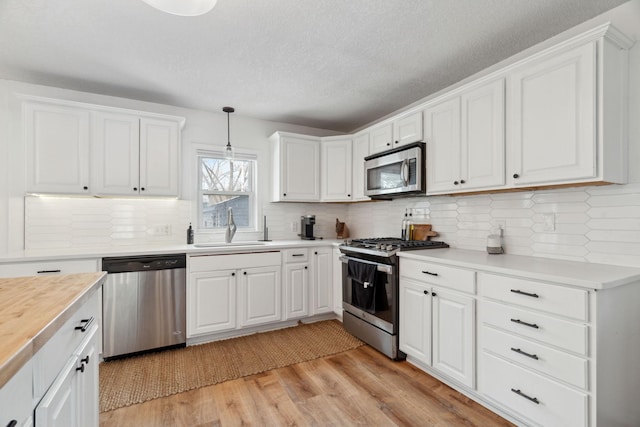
(231, 226)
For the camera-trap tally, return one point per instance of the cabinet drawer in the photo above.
(295, 255)
(21, 269)
(538, 295)
(232, 261)
(560, 333)
(16, 397)
(557, 405)
(558, 364)
(450, 277)
(50, 359)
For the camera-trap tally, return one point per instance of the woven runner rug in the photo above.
(125, 382)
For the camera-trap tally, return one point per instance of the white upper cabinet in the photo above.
(159, 157)
(465, 140)
(403, 130)
(295, 168)
(566, 116)
(381, 138)
(442, 126)
(57, 148)
(335, 172)
(134, 155)
(360, 151)
(75, 148)
(552, 118)
(116, 155)
(407, 129)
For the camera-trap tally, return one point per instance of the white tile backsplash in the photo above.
(592, 224)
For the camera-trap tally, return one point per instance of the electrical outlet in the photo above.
(161, 230)
(549, 221)
(293, 226)
(499, 224)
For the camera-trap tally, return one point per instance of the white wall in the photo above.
(593, 224)
(201, 128)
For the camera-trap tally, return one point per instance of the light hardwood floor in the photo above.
(357, 387)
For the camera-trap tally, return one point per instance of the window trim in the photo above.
(253, 195)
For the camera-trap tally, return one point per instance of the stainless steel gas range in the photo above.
(370, 289)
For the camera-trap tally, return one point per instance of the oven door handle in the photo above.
(388, 269)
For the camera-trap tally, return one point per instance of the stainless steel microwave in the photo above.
(396, 173)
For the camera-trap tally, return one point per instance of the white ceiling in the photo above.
(332, 64)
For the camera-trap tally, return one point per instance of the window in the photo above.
(226, 184)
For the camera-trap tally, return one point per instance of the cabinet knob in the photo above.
(85, 188)
(434, 294)
(516, 176)
(397, 142)
(315, 253)
(305, 267)
(233, 274)
(141, 188)
(455, 182)
(348, 195)
(388, 144)
(426, 292)
(462, 181)
(285, 194)
(135, 188)
(244, 272)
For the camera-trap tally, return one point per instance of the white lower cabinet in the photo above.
(72, 399)
(212, 302)
(321, 281)
(228, 291)
(16, 398)
(260, 295)
(543, 353)
(454, 335)
(296, 283)
(42, 268)
(437, 324)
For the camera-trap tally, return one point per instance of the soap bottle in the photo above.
(405, 226)
(190, 235)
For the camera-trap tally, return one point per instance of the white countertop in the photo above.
(84, 253)
(580, 274)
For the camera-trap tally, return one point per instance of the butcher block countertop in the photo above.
(32, 309)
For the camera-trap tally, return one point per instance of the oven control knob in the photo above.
(389, 247)
(378, 245)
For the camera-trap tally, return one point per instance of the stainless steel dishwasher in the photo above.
(144, 304)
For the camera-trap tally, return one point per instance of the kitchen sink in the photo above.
(225, 245)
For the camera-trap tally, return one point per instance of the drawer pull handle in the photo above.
(48, 271)
(430, 273)
(520, 322)
(519, 393)
(524, 353)
(297, 255)
(85, 325)
(80, 368)
(85, 360)
(517, 291)
(12, 423)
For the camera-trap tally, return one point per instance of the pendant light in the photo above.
(183, 7)
(228, 152)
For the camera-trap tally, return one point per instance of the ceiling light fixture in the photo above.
(228, 152)
(183, 7)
